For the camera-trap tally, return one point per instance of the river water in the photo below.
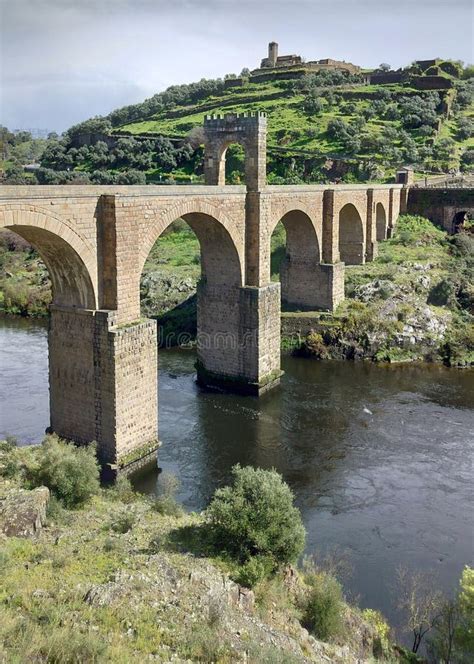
(380, 458)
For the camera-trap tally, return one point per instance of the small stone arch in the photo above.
(69, 259)
(380, 223)
(351, 235)
(249, 131)
(459, 220)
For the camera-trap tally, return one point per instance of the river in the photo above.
(380, 458)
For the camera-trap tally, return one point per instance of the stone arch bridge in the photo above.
(95, 240)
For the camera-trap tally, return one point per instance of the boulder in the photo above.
(23, 513)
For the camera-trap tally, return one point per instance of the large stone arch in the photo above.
(301, 260)
(212, 228)
(219, 328)
(381, 224)
(351, 235)
(70, 260)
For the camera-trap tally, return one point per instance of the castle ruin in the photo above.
(275, 61)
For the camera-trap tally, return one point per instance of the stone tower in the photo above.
(272, 54)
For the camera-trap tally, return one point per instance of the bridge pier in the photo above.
(103, 383)
(311, 286)
(239, 339)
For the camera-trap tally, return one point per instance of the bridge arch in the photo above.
(380, 222)
(70, 261)
(298, 260)
(211, 228)
(459, 219)
(218, 322)
(351, 235)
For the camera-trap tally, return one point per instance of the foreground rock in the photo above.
(23, 513)
(188, 595)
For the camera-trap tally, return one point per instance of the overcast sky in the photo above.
(63, 61)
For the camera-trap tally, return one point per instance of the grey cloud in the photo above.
(65, 60)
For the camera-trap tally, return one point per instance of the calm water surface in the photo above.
(380, 458)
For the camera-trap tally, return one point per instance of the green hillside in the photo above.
(323, 127)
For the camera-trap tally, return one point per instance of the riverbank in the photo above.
(119, 577)
(415, 302)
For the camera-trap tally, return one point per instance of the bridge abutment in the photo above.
(103, 383)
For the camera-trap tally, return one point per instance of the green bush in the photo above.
(254, 570)
(122, 490)
(464, 244)
(314, 346)
(442, 293)
(324, 606)
(255, 516)
(165, 503)
(123, 522)
(381, 643)
(70, 472)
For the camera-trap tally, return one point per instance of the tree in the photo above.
(441, 645)
(420, 602)
(453, 636)
(465, 128)
(384, 66)
(313, 104)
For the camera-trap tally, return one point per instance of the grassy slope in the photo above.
(286, 115)
(156, 595)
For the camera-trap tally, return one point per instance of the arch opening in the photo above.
(459, 221)
(380, 222)
(351, 235)
(233, 163)
(294, 260)
(71, 283)
(190, 282)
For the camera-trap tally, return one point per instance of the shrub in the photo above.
(381, 644)
(314, 346)
(123, 522)
(442, 293)
(70, 472)
(323, 610)
(255, 516)
(254, 570)
(458, 347)
(165, 503)
(122, 490)
(464, 244)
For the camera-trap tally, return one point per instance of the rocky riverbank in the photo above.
(123, 578)
(414, 302)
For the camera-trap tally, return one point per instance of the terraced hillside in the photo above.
(323, 127)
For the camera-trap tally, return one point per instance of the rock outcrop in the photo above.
(23, 513)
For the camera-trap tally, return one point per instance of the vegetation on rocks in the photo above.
(414, 302)
(116, 580)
